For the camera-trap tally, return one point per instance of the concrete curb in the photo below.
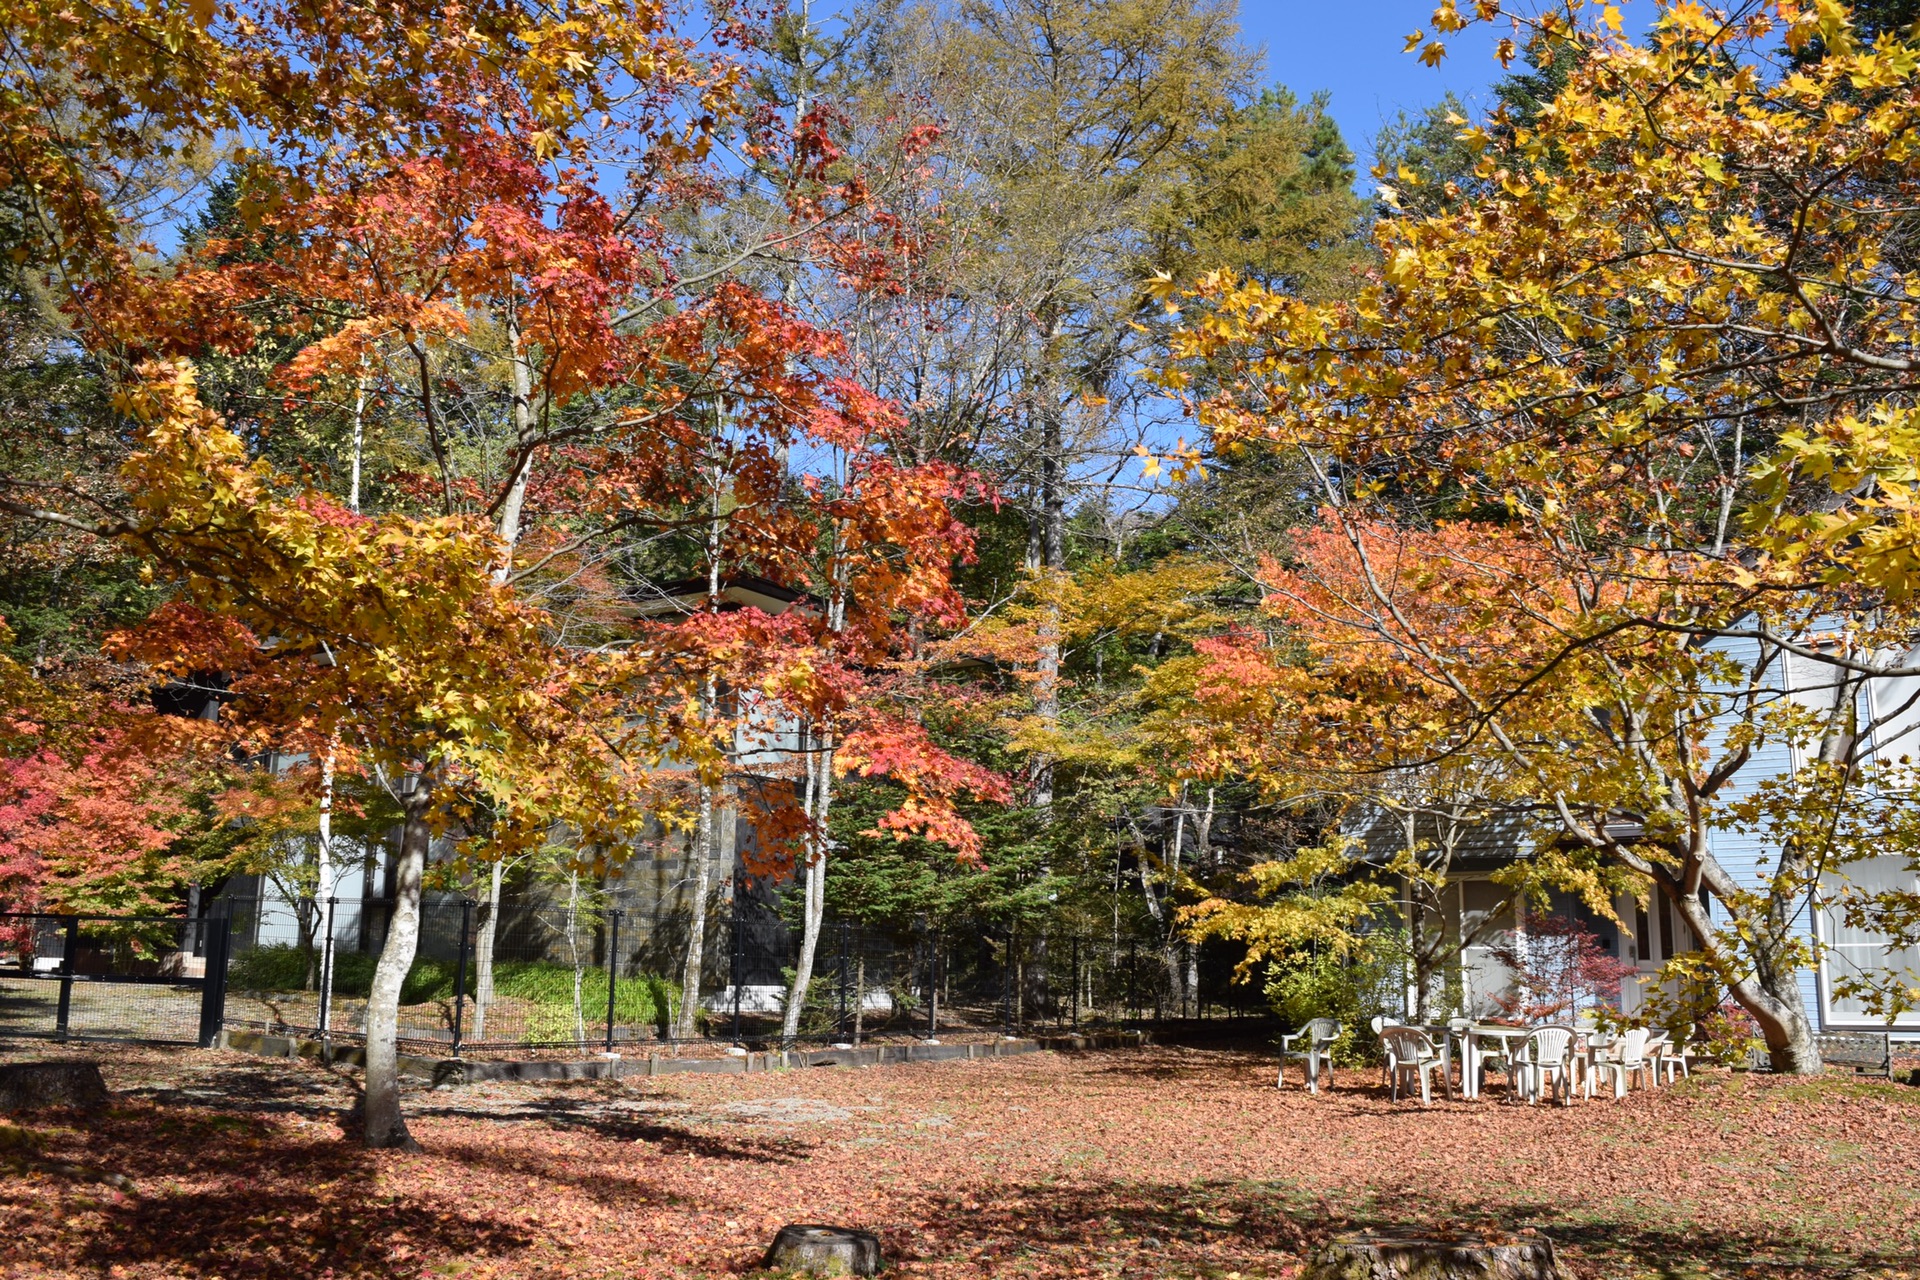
(458, 1071)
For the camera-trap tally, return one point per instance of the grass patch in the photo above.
(548, 987)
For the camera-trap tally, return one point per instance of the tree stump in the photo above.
(1385, 1258)
(824, 1251)
(29, 1086)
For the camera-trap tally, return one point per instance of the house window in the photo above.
(1854, 952)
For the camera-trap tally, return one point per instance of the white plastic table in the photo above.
(1471, 1053)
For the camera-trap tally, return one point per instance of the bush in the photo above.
(276, 968)
(663, 1007)
(1352, 989)
(549, 987)
(283, 967)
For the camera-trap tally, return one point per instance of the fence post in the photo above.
(844, 1024)
(460, 971)
(213, 985)
(733, 963)
(70, 943)
(613, 970)
(1076, 984)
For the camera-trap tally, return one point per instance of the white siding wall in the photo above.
(1749, 856)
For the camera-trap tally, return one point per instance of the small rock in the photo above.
(824, 1251)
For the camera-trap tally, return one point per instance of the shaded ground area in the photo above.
(1154, 1163)
(150, 1011)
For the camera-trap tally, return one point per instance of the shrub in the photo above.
(283, 967)
(1559, 966)
(275, 968)
(1354, 989)
(1728, 1035)
(663, 1008)
(638, 1001)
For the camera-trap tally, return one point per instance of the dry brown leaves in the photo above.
(1162, 1163)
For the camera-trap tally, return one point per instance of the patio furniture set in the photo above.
(1553, 1061)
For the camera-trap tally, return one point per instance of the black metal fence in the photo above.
(601, 976)
(137, 978)
(608, 977)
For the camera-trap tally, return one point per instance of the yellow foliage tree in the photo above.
(1668, 348)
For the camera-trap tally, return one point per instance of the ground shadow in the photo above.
(1204, 1228)
(672, 1135)
(229, 1195)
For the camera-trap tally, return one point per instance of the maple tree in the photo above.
(464, 647)
(1315, 707)
(1663, 348)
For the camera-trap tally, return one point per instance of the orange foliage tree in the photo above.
(1664, 342)
(444, 203)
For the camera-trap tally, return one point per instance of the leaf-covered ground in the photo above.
(1162, 1162)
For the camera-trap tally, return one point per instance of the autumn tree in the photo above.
(416, 238)
(1313, 707)
(1664, 351)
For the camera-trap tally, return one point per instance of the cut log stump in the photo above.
(30, 1086)
(824, 1251)
(1387, 1258)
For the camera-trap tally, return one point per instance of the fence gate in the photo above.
(157, 979)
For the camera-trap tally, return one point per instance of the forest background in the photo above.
(367, 367)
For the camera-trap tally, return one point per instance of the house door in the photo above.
(1658, 936)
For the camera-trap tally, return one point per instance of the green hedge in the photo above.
(283, 967)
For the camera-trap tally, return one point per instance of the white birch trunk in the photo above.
(385, 1125)
(700, 852)
(483, 950)
(323, 888)
(573, 953)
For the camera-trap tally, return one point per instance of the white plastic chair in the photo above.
(1669, 1059)
(1621, 1059)
(1545, 1062)
(1378, 1023)
(1505, 1059)
(1410, 1052)
(1319, 1035)
(1459, 1028)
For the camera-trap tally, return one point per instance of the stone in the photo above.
(1368, 1257)
(29, 1086)
(824, 1251)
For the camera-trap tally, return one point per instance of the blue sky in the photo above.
(1351, 48)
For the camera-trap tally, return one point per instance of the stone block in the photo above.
(824, 1251)
(31, 1086)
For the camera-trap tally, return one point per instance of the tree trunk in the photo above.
(814, 901)
(512, 506)
(573, 953)
(700, 851)
(859, 995)
(385, 1126)
(1772, 993)
(690, 972)
(321, 967)
(483, 950)
(814, 909)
